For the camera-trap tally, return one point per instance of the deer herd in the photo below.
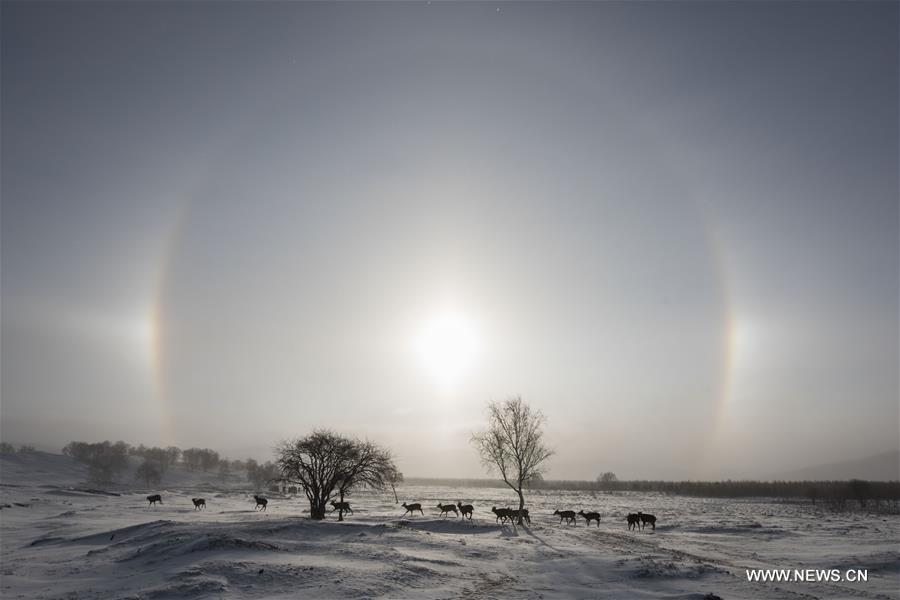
(635, 521)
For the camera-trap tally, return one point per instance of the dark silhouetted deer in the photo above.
(199, 503)
(412, 507)
(154, 499)
(342, 506)
(568, 515)
(465, 510)
(645, 518)
(634, 521)
(590, 516)
(445, 508)
(503, 514)
(261, 501)
(514, 514)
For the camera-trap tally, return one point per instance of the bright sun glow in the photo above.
(448, 346)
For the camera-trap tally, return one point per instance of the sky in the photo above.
(671, 227)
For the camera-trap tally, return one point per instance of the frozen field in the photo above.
(65, 543)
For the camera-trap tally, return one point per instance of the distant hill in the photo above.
(878, 467)
(41, 468)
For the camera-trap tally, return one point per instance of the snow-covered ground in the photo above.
(60, 541)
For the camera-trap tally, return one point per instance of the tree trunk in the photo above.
(317, 509)
(396, 499)
(341, 509)
(521, 503)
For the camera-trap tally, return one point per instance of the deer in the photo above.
(634, 521)
(445, 508)
(590, 516)
(154, 499)
(261, 501)
(412, 507)
(465, 510)
(515, 513)
(503, 514)
(568, 515)
(199, 503)
(645, 518)
(342, 506)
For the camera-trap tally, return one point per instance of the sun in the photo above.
(448, 346)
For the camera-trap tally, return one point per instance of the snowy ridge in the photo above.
(64, 543)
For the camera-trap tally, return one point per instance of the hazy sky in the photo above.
(672, 227)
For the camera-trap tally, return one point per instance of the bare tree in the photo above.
(200, 458)
(173, 453)
(149, 472)
(861, 491)
(265, 475)
(105, 460)
(324, 461)
(607, 477)
(513, 444)
(158, 456)
(224, 470)
(366, 464)
(396, 479)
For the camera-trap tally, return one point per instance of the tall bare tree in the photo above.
(513, 444)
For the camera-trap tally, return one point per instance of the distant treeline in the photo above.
(7, 448)
(867, 494)
(107, 460)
